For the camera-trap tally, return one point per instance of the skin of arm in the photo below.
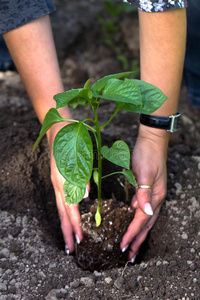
(33, 51)
(162, 52)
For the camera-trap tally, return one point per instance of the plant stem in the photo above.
(88, 120)
(77, 121)
(114, 173)
(98, 134)
(116, 111)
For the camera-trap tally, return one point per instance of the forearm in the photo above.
(162, 52)
(33, 51)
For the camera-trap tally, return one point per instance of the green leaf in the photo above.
(118, 154)
(73, 194)
(152, 99)
(52, 117)
(99, 85)
(96, 176)
(121, 91)
(130, 177)
(98, 218)
(87, 84)
(73, 152)
(73, 97)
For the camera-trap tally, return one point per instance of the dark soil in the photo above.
(100, 248)
(33, 264)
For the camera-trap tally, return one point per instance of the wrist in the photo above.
(158, 137)
(170, 123)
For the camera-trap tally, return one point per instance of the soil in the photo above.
(33, 264)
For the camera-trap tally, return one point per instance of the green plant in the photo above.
(109, 23)
(73, 148)
(125, 64)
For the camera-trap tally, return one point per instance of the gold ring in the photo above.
(144, 186)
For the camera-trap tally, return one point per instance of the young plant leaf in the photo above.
(152, 99)
(73, 97)
(125, 91)
(87, 84)
(73, 193)
(98, 218)
(52, 117)
(96, 176)
(130, 177)
(73, 153)
(99, 85)
(118, 154)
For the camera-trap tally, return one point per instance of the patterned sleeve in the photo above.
(157, 5)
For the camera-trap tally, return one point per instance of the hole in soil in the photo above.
(25, 189)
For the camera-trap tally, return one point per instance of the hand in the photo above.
(149, 166)
(69, 214)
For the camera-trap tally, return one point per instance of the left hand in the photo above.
(149, 167)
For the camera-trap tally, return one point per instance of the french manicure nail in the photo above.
(77, 239)
(133, 259)
(86, 194)
(125, 248)
(66, 249)
(148, 209)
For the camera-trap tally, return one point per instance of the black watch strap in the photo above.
(170, 123)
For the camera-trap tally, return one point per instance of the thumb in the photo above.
(143, 194)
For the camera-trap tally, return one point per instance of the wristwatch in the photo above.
(170, 123)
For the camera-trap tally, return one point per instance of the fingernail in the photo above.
(125, 248)
(133, 259)
(66, 249)
(86, 194)
(77, 239)
(148, 209)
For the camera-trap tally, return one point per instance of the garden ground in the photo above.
(33, 264)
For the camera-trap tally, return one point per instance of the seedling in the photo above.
(73, 147)
(109, 23)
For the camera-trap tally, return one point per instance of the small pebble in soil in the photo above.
(178, 188)
(139, 278)
(97, 274)
(108, 280)
(74, 284)
(184, 236)
(4, 253)
(119, 282)
(158, 263)
(87, 281)
(3, 287)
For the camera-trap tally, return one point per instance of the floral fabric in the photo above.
(157, 5)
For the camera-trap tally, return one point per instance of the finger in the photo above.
(66, 225)
(139, 221)
(75, 219)
(143, 196)
(86, 196)
(134, 203)
(140, 238)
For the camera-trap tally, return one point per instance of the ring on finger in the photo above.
(144, 186)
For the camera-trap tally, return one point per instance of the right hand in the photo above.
(69, 214)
